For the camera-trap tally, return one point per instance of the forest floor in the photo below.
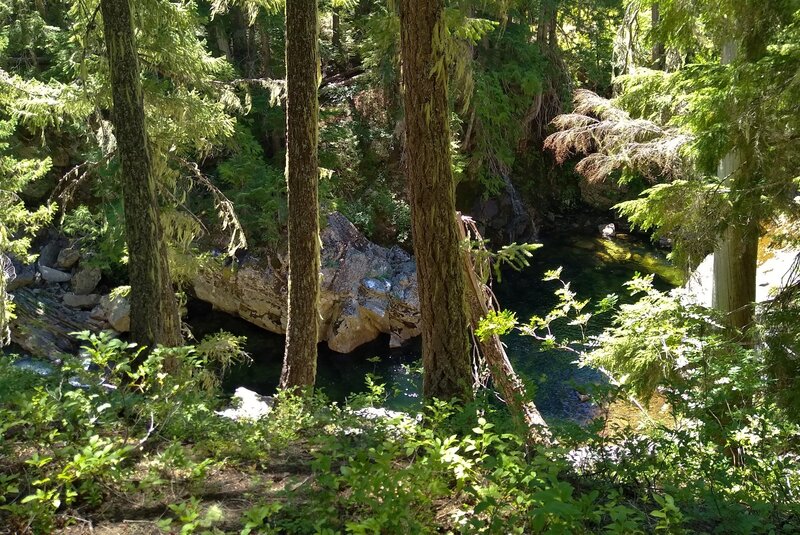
(231, 490)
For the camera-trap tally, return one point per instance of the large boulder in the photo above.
(48, 254)
(68, 257)
(366, 290)
(87, 302)
(43, 323)
(117, 312)
(53, 275)
(18, 274)
(86, 280)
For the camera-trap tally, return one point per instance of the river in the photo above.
(595, 266)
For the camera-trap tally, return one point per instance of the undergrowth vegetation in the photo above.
(115, 434)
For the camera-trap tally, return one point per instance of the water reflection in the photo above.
(594, 267)
(338, 375)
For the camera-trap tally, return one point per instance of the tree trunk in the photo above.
(445, 345)
(240, 39)
(336, 31)
(302, 176)
(659, 53)
(735, 265)
(546, 29)
(736, 255)
(223, 42)
(154, 311)
(552, 39)
(265, 55)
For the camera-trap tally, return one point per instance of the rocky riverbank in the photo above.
(366, 290)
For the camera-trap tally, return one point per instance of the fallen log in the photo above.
(481, 301)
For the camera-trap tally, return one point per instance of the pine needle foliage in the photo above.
(673, 128)
(611, 140)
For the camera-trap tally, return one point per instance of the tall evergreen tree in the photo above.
(721, 134)
(445, 346)
(736, 254)
(302, 178)
(154, 311)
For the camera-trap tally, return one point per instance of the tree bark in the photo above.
(735, 266)
(302, 176)
(736, 255)
(154, 311)
(336, 31)
(546, 29)
(223, 42)
(445, 345)
(659, 53)
(240, 38)
(265, 55)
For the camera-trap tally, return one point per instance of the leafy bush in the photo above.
(722, 461)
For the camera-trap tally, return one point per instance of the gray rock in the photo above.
(350, 329)
(44, 323)
(48, 255)
(504, 217)
(608, 231)
(67, 258)
(22, 275)
(366, 290)
(379, 287)
(86, 302)
(117, 311)
(98, 313)
(53, 275)
(86, 280)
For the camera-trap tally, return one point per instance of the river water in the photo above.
(595, 267)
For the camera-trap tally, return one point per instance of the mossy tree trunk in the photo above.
(302, 176)
(445, 345)
(154, 311)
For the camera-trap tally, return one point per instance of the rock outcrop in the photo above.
(504, 218)
(366, 290)
(43, 323)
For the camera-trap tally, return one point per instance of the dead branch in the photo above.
(481, 300)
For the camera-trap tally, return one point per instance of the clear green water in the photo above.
(594, 266)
